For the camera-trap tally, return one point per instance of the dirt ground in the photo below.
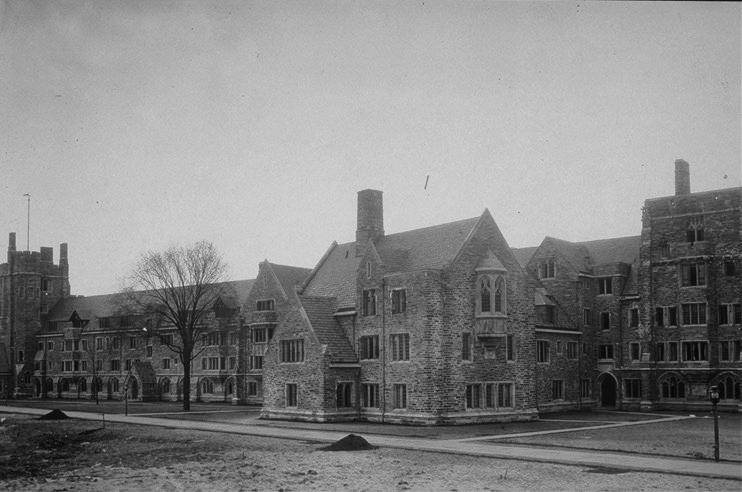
(81, 455)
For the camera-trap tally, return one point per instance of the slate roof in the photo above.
(106, 305)
(575, 253)
(335, 276)
(524, 255)
(289, 276)
(587, 254)
(236, 292)
(320, 312)
(419, 249)
(427, 248)
(613, 250)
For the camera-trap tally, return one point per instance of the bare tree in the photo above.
(178, 287)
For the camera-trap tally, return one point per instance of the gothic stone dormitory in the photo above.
(445, 324)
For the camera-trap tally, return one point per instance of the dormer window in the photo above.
(695, 230)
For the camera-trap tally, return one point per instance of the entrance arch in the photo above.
(608, 390)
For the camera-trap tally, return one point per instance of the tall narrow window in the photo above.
(466, 346)
(369, 395)
(399, 301)
(499, 295)
(485, 290)
(400, 346)
(605, 285)
(369, 302)
(510, 348)
(695, 229)
(343, 395)
(693, 274)
(659, 316)
(292, 395)
(399, 396)
(473, 395)
(634, 317)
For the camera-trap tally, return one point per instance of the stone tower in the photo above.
(30, 283)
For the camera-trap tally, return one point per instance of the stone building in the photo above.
(30, 284)
(93, 347)
(444, 324)
(659, 313)
(428, 326)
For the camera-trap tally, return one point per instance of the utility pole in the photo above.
(28, 222)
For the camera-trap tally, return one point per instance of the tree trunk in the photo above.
(186, 381)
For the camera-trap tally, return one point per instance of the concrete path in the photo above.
(619, 461)
(573, 429)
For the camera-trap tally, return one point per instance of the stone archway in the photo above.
(608, 390)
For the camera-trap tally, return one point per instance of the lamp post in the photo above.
(714, 397)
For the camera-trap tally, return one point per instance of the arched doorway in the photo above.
(37, 388)
(608, 391)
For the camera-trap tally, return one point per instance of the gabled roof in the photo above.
(576, 254)
(613, 250)
(102, 306)
(235, 293)
(335, 275)
(288, 276)
(419, 249)
(523, 255)
(585, 255)
(320, 311)
(427, 248)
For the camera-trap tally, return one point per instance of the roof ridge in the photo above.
(434, 226)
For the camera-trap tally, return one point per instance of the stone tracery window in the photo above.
(485, 292)
(492, 295)
(499, 295)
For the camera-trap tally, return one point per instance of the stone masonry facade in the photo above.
(440, 325)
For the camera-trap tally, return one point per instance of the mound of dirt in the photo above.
(351, 442)
(55, 414)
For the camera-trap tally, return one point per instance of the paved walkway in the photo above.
(620, 461)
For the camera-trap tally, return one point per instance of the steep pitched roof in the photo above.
(335, 275)
(289, 276)
(524, 255)
(102, 306)
(613, 250)
(427, 248)
(576, 254)
(235, 293)
(320, 312)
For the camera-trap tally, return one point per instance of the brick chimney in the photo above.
(682, 177)
(370, 218)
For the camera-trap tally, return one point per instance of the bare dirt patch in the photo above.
(82, 456)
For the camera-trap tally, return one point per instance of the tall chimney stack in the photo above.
(11, 242)
(370, 218)
(682, 177)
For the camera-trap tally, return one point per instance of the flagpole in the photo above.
(28, 223)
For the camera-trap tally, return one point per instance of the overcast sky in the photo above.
(138, 125)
